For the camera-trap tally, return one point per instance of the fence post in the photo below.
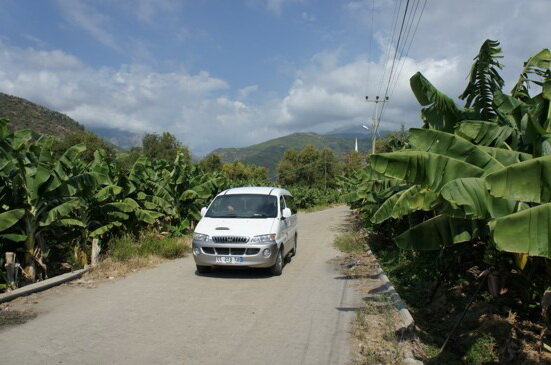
(10, 269)
(94, 260)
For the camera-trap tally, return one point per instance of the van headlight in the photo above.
(263, 238)
(200, 237)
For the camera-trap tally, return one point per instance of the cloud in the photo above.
(149, 10)
(308, 17)
(247, 90)
(325, 92)
(274, 6)
(80, 14)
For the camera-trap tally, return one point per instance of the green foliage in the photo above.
(211, 163)
(164, 147)
(473, 177)
(90, 140)
(484, 80)
(242, 174)
(306, 197)
(49, 205)
(482, 351)
(349, 242)
(308, 167)
(146, 244)
(268, 154)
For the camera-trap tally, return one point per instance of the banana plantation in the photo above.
(51, 209)
(477, 177)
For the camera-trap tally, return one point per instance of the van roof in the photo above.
(262, 190)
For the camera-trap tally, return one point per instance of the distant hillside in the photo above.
(269, 153)
(122, 139)
(24, 114)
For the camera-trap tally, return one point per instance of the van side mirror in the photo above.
(286, 213)
(203, 211)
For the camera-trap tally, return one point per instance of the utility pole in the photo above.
(376, 121)
(325, 169)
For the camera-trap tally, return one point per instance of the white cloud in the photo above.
(326, 92)
(81, 15)
(247, 90)
(134, 98)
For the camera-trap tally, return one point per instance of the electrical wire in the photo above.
(409, 46)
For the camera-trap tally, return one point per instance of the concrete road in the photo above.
(170, 315)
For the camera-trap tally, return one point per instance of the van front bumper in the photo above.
(247, 255)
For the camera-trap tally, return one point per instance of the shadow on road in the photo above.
(237, 273)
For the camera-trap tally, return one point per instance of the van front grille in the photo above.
(230, 239)
(230, 251)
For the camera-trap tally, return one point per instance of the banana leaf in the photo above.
(471, 197)
(505, 156)
(528, 181)
(104, 229)
(71, 222)
(453, 146)
(435, 233)
(405, 202)
(59, 212)
(107, 192)
(14, 237)
(148, 216)
(527, 231)
(11, 217)
(427, 169)
(20, 138)
(439, 112)
(484, 133)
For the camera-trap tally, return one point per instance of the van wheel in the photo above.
(203, 269)
(277, 269)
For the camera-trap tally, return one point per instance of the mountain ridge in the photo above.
(269, 153)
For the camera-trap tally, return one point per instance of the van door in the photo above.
(292, 228)
(284, 225)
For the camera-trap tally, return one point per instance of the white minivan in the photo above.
(250, 226)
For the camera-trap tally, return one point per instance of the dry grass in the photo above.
(129, 255)
(11, 317)
(377, 327)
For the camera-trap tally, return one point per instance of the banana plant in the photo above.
(39, 193)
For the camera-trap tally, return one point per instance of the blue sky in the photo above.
(231, 73)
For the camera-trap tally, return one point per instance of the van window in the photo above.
(281, 204)
(290, 203)
(243, 206)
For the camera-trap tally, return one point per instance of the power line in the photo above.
(395, 17)
(409, 45)
(396, 49)
(409, 25)
(377, 121)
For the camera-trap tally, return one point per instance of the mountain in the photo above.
(122, 139)
(356, 131)
(269, 153)
(24, 114)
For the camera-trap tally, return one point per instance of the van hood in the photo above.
(235, 226)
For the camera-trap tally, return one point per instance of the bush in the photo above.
(147, 244)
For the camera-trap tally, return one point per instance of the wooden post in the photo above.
(10, 269)
(94, 260)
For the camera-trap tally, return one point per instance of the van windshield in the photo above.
(243, 206)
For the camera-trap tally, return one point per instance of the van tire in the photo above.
(203, 269)
(277, 269)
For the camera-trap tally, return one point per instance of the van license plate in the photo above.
(228, 260)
